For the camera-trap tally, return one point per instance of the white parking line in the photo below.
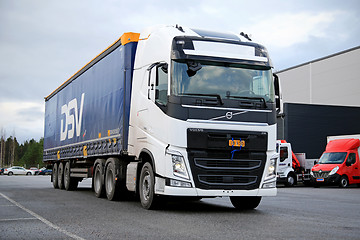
(16, 219)
(42, 219)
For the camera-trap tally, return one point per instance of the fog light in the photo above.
(177, 183)
(269, 185)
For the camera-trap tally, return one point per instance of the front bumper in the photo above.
(163, 189)
(329, 180)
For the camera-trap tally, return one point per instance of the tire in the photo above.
(245, 203)
(344, 182)
(70, 183)
(115, 185)
(27, 174)
(290, 180)
(61, 175)
(98, 180)
(148, 198)
(10, 173)
(54, 175)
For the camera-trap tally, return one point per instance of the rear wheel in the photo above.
(98, 181)
(115, 185)
(245, 203)
(10, 173)
(344, 182)
(61, 175)
(148, 198)
(55, 175)
(70, 183)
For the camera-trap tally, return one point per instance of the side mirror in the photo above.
(278, 97)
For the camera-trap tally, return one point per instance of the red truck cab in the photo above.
(339, 164)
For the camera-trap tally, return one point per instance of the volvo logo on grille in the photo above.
(229, 115)
(320, 171)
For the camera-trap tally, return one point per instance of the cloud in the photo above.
(285, 30)
(24, 118)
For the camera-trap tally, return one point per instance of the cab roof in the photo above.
(341, 145)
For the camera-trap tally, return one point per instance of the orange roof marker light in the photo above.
(129, 37)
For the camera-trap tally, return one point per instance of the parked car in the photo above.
(17, 171)
(34, 170)
(45, 171)
(1, 171)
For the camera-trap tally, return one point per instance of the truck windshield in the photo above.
(332, 158)
(223, 79)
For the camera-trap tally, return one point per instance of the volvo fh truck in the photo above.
(172, 111)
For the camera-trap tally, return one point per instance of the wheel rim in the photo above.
(97, 181)
(67, 175)
(109, 181)
(146, 186)
(344, 182)
(291, 180)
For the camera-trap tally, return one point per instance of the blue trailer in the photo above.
(88, 115)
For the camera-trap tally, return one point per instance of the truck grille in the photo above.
(215, 164)
(322, 174)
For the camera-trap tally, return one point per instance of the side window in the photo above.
(351, 158)
(283, 153)
(161, 84)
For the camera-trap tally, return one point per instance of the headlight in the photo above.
(179, 167)
(311, 173)
(271, 171)
(334, 170)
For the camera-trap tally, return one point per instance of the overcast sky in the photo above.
(44, 42)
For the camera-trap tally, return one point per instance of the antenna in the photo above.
(245, 36)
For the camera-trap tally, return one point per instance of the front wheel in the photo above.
(148, 198)
(344, 182)
(245, 203)
(290, 180)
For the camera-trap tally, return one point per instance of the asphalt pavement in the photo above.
(31, 209)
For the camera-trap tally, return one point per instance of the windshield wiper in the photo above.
(205, 95)
(251, 98)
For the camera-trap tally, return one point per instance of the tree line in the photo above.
(28, 154)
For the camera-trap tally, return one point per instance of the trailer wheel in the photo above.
(290, 180)
(245, 203)
(70, 183)
(344, 182)
(54, 175)
(61, 175)
(148, 198)
(98, 184)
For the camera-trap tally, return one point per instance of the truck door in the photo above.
(285, 159)
(353, 170)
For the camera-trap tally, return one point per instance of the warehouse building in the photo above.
(321, 98)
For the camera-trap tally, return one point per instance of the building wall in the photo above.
(307, 126)
(332, 80)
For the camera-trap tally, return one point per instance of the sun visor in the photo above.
(220, 50)
(224, 50)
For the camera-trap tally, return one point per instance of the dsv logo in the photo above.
(72, 119)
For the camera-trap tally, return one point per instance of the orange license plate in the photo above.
(237, 143)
